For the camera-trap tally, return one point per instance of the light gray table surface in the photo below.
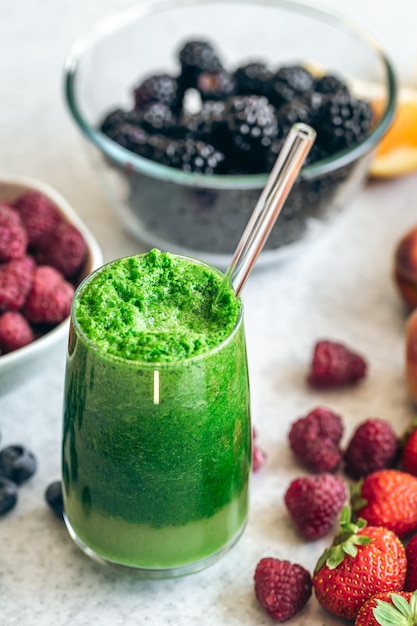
(338, 287)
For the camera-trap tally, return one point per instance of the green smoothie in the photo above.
(157, 445)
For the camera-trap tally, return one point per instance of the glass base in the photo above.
(148, 573)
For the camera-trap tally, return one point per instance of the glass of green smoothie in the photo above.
(157, 435)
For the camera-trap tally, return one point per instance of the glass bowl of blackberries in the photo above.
(185, 104)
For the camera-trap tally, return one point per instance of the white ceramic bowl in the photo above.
(19, 366)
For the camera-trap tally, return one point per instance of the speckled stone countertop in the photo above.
(339, 287)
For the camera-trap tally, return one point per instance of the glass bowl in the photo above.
(204, 215)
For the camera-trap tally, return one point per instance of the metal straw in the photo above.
(281, 179)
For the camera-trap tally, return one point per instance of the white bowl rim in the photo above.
(40, 345)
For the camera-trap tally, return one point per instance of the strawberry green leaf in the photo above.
(335, 557)
(401, 604)
(345, 543)
(399, 613)
(413, 603)
(361, 540)
(349, 548)
(387, 615)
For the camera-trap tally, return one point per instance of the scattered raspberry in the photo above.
(38, 215)
(258, 455)
(15, 331)
(64, 248)
(13, 236)
(335, 365)
(314, 439)
(314, 502)
(283, 588)
(373, 446)
(16, 279)
(409, 451)
(49, 300)
(411, 554)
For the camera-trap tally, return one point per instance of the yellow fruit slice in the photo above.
(396, 153)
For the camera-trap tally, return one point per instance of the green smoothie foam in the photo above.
(156, 452)
(155, 308)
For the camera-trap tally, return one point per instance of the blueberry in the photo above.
(53, 496)
(8, 495)
(17, 463)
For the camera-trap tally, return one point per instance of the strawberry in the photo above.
(387, 609)
(362, 561)
(411, 554)
(388, 498)
(408, 459)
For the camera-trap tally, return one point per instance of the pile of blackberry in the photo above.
(242, 118)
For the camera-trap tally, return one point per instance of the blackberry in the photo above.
(116, 118)
(159, 88)
(195, 57)
(330, 84)
(155, 147)
(289, 83)
(193, 156)
(251, 124)
(274, 150)
(207, 125)
(253, 78)
(216, 85)
(131, 137)
(290, 113)
(158, 118)
(342, 122)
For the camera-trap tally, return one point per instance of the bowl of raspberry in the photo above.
(45, 251)
(184, 106)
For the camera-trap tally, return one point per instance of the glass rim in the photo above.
(131, 161)
(160, 365)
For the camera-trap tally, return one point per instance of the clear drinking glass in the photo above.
(156, 456)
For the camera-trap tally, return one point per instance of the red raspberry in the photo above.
(373, 446)
(13, 236)
(314, 439)
(258, 455)
(64, 249)
(283, 588)
(38, 215)
(49, 300)
(15, 331)
(411, 554)
(314, 502)
(16, 279)
(409, 452)
(335, 365)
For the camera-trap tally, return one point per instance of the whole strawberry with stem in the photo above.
(411, 554)
(282, 588)
(389, 609)
(387, 498)
(362, 561)
(314, 503)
